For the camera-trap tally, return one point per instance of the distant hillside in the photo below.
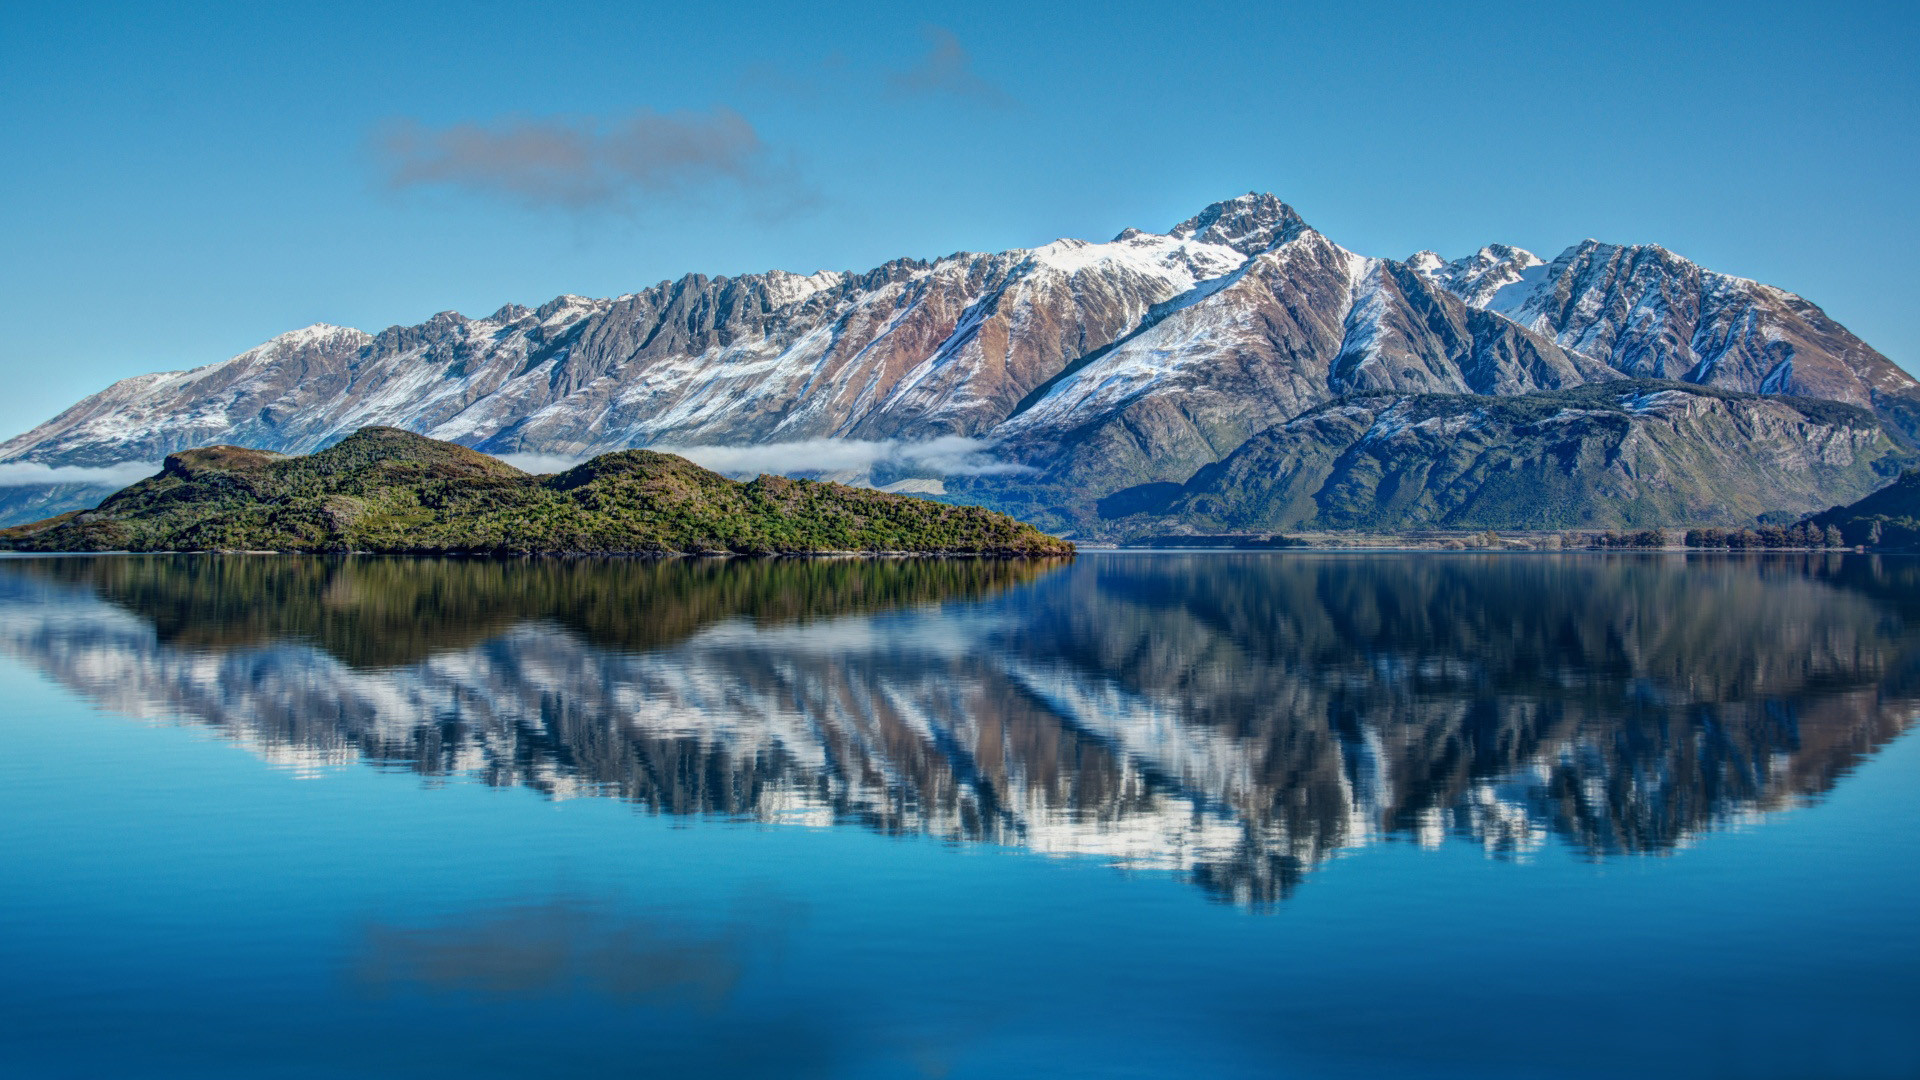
(1629, 453)
(1888, 518)
(389, 491)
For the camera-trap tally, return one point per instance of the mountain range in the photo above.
(1103, 388)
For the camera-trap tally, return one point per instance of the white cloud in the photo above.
(540, 463)
(948, 455)
(33, 473)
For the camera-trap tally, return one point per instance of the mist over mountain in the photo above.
(1049, 379)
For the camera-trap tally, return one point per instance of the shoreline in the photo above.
(1089, 549)
(529, 555)
(1437, 540)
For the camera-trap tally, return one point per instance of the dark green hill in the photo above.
(1888, 518)
(390, 491)
(1633, 453)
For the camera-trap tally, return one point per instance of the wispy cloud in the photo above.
(33, 473)
(588, 163)
(948, 455)
(946, 68)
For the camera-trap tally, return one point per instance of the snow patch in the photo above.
(1657, 401)
(915, 486)
(1181, 263)
(1366, 309)
(1512, 299)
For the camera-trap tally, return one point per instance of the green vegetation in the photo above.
(1767, 536)
(1888, 518)
(387, 491)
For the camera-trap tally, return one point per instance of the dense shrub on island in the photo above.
(1767, 536)
(1882, 533)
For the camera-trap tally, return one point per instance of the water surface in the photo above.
(1272, 814)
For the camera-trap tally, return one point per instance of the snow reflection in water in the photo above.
(1233, 719)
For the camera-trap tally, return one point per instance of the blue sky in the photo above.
(183, 182)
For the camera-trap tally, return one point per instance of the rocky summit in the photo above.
(1054, 379)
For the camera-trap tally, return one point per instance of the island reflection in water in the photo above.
(1235, 719)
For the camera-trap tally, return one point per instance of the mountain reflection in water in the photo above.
(1236, 719)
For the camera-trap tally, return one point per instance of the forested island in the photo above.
(387, 491)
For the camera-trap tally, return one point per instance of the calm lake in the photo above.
(1237, 815)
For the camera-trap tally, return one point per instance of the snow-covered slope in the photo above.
(1644, 311)
(908, 350)
(1087, 367)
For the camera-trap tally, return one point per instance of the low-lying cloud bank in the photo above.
(540, 464)
(948, 455)
(34, 474)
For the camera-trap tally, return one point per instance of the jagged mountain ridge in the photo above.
(1099, 366)
(1649, 313)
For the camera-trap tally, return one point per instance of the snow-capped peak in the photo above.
(1249, 224)
(308, 335)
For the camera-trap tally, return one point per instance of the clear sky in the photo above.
(184, 181)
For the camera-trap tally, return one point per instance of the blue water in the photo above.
(1137, 815)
